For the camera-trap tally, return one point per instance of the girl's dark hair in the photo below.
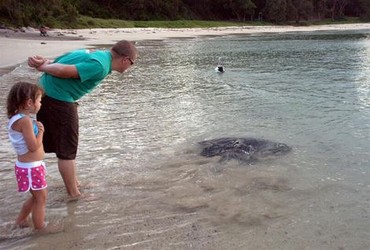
(19, 94)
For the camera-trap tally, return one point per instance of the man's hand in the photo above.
(55, 69)
(36, 61)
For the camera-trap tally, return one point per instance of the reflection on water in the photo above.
(148, 187)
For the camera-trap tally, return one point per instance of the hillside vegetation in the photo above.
(181, 13)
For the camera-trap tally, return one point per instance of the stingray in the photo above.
(246, 150)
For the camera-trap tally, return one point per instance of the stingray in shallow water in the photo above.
(242, 149)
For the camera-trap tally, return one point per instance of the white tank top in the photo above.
(16, 138)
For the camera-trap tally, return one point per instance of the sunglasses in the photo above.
(132, 62)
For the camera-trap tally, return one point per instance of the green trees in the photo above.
(302, 9)
(365, 9)
(276, 10)
(336, 8)
(37, 12)
(48, 12)
(242, 8)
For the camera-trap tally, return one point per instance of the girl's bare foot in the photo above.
(51, 227)
(24, 223)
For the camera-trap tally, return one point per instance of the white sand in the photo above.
(16, 47)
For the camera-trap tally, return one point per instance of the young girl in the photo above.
(26, 135)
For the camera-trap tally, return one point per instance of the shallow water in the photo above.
(148, 187)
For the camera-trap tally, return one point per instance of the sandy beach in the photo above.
(17, 46)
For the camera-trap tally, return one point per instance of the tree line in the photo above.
(36, 12)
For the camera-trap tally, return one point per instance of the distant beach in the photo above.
(17, 45)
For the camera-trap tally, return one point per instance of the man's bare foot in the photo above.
(83, 196)
(73, 198)
(76, 193)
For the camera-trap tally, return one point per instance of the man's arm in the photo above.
(59, 70)
(54, 69)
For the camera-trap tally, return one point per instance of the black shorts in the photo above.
(60, 120)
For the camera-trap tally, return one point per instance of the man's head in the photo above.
(124, 55)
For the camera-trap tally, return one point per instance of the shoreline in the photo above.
(17, 46)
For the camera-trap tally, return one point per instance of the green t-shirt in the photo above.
(92, 68)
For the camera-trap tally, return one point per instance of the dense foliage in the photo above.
(52, 12)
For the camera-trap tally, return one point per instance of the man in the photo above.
(65, 81)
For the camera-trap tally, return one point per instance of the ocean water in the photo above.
(139, 161)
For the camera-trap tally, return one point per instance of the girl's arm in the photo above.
(26, 128)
